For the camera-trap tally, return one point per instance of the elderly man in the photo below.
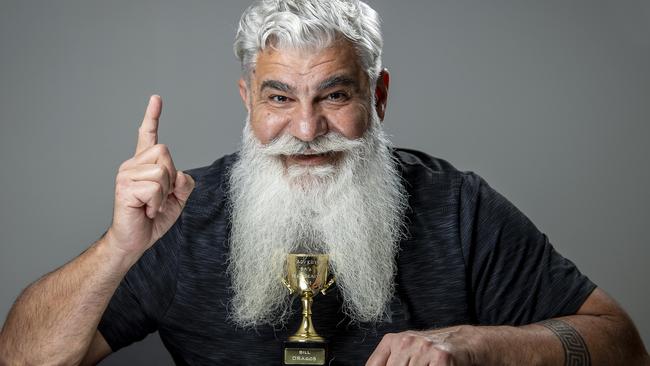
(432, 266)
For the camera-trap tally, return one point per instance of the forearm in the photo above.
(584, 339)
(55, 318)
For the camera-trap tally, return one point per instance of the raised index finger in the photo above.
(148, 131)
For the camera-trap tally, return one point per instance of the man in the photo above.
(433, 266)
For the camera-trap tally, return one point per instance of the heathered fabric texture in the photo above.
(471, 257)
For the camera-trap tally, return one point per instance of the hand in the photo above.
(444, 347)
(149, 192)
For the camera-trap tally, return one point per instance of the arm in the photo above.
(600, 333)
(55, 320)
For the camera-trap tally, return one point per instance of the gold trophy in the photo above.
(307, 275)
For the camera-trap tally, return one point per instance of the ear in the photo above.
(243, 92)
(381, 93)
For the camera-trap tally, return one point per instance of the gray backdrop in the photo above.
(548, 100)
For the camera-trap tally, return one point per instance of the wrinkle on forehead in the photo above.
(301, 73)
(306, 68)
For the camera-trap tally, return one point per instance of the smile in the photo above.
(311, 159)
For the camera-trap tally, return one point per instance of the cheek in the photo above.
(267, 125)
(351, 123)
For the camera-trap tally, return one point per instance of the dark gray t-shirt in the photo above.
(471, 257)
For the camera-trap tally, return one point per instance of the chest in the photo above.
(430, 292)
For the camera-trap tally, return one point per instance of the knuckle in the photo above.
(425, 345)
(125, 164)
(160, 171)
(157, 188)
(144, 131)
(162, 149)
(388, 337)
(406, 340)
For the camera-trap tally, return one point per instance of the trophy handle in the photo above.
(286, 284)
(328, 285)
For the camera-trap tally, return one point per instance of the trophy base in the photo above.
(305, 353)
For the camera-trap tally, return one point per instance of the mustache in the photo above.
(329, 143)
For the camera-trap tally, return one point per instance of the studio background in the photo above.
(548, 100)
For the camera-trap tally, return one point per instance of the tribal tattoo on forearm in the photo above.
(575, 348)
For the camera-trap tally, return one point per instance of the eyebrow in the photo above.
(275, 84)
(334, 81)
(337, 80)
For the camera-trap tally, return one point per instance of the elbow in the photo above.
(631, 345)
(636, 355)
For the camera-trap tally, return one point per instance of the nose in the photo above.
(308, 123)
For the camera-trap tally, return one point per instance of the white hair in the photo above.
(311, 24)
(352, 211)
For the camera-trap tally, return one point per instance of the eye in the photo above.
(279, 98)
(337, 96)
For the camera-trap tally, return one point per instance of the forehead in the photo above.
(306, 67)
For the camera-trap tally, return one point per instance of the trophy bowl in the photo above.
(307, 273)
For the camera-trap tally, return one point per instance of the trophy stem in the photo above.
(306, 331)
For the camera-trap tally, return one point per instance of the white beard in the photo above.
(352, 211)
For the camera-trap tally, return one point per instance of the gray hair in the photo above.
(312, 24)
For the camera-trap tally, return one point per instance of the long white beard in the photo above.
(352, 211)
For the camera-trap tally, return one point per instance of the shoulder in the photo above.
(417, 159)
(421, 169)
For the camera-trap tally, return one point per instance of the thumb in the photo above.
(183, 186)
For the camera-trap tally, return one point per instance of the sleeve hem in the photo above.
(109, 337)
(573, 306)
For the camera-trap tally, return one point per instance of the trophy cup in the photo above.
(307, 274)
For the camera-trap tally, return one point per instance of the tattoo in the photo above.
(575, 348)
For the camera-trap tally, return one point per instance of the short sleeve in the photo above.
(516, 276)
(144, 294)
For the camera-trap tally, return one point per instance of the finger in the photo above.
(381, 354)
(148, 131)
(146, 193)
(150, 172)
(183, 187)
(423, 354)
(439, 357)
(157, 154)
(400, 358)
